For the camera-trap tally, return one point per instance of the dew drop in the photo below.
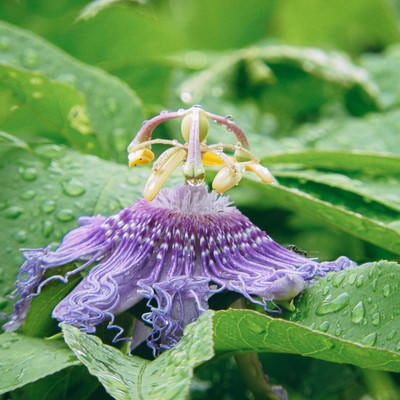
(391, 335)
(28, 174)
(374, 284)
(13, 212)
(360, 280)
(358, 312)
(21, 236)
(73, 188)
(28, 195)
(325, 290)
(376, 319)
(47, 228)
(110, 107)
(36, 80)
(338, 280)
(324, 326)
(370, 339)
(65, 215)
(386, 290)
(37, 95)
(50, 151)
(351, 279)
(186, 97)
(30, 58)
(338, 331)
(333, 304)
(48, 206)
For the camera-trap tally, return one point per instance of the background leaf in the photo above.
(114, 111)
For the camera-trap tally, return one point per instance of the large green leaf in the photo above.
(125, 378)
(278, 75)
(342, 209)
(114, 110)
(374, 133)
(347, 317)
(25, 359)
(44, 192)
(33, 104)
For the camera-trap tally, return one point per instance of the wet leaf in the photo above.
(347, 317)
(34, 105)
(124, 377)
(114, 111)
(44, 193)
(25, 359)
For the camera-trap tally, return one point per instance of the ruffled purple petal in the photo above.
(170, 251)
(179, 302)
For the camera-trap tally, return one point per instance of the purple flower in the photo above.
(176, 251)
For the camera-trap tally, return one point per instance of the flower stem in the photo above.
(251, 370)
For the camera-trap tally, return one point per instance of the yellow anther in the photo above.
(262, 172)
(210, 159)
(140, 157)
(227, 178)
(162, 172)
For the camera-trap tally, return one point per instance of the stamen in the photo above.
(140, 157)
(233, 158)
(162, 171)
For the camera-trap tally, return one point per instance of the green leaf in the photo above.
(383, 70)
(347, 317)
(25, 359)
(374, 133)
(114, 110)
(35, 105)
(372, 163)
(342, 209)
(278, 75)
(46, 190)
(167, 377)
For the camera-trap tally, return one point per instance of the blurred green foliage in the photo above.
(315, 84)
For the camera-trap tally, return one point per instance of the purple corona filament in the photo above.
(176, 251)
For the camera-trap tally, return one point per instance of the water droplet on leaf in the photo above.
(73, 188)
(28, 174)
(358, 312)
(30, 58)
(48, 206)
(386, 290)
(65, 215)
(376, 319)
(333, 304)
(324, 326)
(360, 280)
(47, 228)
(28, 195)
(21, 236)
(370, 339)
(13, 212)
